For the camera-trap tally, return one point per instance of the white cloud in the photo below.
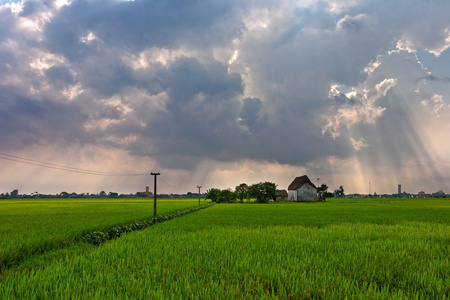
(234, 57)
(339, 6)
(438, 106)
(359, 144)
(383, 87)
(360, 106)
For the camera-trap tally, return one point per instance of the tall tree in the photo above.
(322, 191)
(64, 194)
(339, 192)
(213, 194)
(263, 192)
(242, 192)
(228, 195)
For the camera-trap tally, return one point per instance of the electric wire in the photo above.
(48, 165)
(63, 168)
(171, 183)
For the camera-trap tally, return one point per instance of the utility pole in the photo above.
(154, 201)
(199, 187)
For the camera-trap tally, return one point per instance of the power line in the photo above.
(62, 167)
(171, 183)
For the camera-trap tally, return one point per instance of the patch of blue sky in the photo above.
(438, 66)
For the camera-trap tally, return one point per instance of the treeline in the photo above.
(263, 192)
(102, 194)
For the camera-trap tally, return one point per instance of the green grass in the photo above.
(35, 226)
(370, 249)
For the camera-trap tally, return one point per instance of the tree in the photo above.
(213, 194)
(228, 195)
(103, 194)
(321, 192)
(64, 194)
(141, 194)
(241, 192)
(263, 192)
(438, 194)
(339, 192)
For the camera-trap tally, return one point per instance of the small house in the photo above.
(302, 189)
(281, 195)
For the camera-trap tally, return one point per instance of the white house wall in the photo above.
(306, 193)
(292, 195)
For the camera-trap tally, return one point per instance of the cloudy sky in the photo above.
(217, 93)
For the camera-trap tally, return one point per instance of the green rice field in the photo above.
(34, 226)
(342, 248)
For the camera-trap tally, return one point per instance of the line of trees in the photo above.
(263, 192)
(102, 194)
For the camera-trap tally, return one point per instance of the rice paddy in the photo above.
(372, 249)
(34, 226)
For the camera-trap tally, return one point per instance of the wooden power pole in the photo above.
(154, 199)
(199, 187)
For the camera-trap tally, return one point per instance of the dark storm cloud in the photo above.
(351, 24)
(249, 114)
(7, 61)
(435, 78)
(31, 7)
(295, 137)
(64, 37)
(204, 115)
(201, 111)
(185, 81)
(7, 23)
(187, 78)
(25, 121)
(136, 25)
(110, 113)
(341, 100)
(314, 16)
(108, 77)
(59, 76)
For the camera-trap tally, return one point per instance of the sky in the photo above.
(95, 95)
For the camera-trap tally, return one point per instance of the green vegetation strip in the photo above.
(98, 237)
(355, 249)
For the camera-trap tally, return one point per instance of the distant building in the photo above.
(422, 194)
(399, 189)
(282, 195)
(302, 189)
(15, 194)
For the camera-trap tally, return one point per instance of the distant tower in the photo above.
(399, 189)
(147, 192)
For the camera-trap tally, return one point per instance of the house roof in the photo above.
(299, 181)
(282, 193)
